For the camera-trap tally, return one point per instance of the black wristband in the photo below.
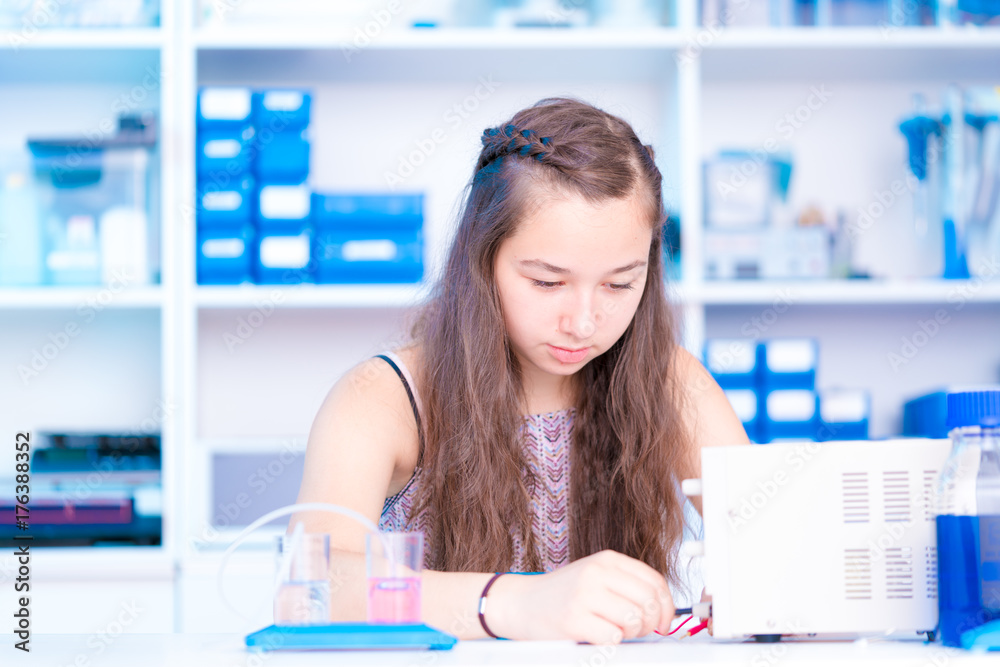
(482, 604)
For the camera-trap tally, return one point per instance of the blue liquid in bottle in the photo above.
(968, 553)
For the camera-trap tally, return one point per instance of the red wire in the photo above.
(698, 628)
(680, 626)
(675, 629)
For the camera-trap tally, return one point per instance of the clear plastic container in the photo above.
(31, 15)
(95, 211)
(20, 230)
(968, 516)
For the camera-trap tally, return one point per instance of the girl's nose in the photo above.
(578, 319)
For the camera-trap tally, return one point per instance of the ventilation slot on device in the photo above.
(855, 496)
(896, 495)
(930, 557)
(858, 574)
(899, 573)
(930, 479)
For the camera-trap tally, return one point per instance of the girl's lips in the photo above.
(566, 356)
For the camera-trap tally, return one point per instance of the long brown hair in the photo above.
(628, 450)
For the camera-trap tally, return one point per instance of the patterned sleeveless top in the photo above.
(547, 440)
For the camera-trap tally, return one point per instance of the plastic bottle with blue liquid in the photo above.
(968, 517)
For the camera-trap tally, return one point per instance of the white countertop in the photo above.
(228, 650)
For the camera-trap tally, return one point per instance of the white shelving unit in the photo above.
(243, 369)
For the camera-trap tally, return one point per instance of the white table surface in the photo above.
(228, 650)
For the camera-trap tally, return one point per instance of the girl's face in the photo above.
(570, 280)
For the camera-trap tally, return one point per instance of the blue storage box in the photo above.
(926, 416)
(338, 212)
(283, 208)
(281, 157)
(369, 256)
(732, 362)
(844, 414)
(224, 107)
(224, 257)
(224, 153)
(790, 414)
(788, 363)
(225, 207)
(283, 258)
(281, 110)
(746, 406)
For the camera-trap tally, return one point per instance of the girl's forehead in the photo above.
(571, 215)
(580, 237)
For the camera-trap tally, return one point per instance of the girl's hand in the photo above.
(603, 598)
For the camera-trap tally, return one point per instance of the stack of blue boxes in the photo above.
(226, 186)
(258, 219)
(771, 385)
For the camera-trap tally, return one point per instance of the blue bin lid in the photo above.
(974, 408)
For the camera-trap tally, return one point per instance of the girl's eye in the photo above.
(542, 283)
(620, 287)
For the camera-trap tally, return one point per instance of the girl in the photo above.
(543, 415)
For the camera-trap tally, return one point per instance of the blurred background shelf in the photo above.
(82, 38)
(310, 296)
(720, 293)
(451, 39)
(67, 298)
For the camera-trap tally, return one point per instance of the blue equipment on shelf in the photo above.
(843, 414)
(788, 363)
(790, 414)
(283, 207)
(369, 238)
(225, 257)
(283, 258)
(224, 107)
(226, 207)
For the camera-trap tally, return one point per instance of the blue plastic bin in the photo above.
(283, 208)
(732, 362)
(788, 363)
(226, 207)
(224, 257)
(338, 212)
(281, 157)
(844, 414)
(224, 154)
(926, 416)
(369, 256)
(790, 414)
(281, 110)
(283, 258)
(224, 107)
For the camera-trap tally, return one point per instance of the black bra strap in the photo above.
(413, 403)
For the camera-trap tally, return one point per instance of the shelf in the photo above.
(845, 292)
(63, 298)
(250, 445)
(887, 38)
(82, 38)
(598, 38)
(311, 296)
(113, 562)
(439, 38)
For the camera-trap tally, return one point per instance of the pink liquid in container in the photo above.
(394, 600)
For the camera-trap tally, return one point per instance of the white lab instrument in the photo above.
(833, 539)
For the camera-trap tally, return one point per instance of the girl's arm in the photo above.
(363, 445)
(709, 419)
(707, 415)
